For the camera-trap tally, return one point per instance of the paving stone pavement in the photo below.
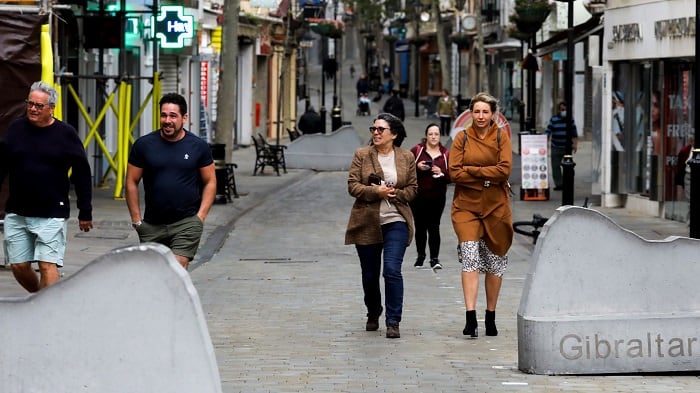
(284, 302)
(283, 298)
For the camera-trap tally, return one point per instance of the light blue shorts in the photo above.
(29, 239)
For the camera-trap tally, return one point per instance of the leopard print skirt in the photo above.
(475, 255)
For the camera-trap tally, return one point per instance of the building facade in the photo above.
(648, 96)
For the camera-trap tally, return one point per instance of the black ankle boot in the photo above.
(490, 322)
(472, 328)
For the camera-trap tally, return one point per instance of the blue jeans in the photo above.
(394, 247)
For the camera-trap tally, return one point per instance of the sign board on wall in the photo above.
(204, 83)
(172, 28)
(650, 30)
(265, 3)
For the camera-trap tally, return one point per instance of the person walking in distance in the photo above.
(179, 182)
(480, 162)
(38, 154)
(362, 86)
(310, 122)
(446, 110)
(429, 203)
(556, 133)
(394, 105)
(382, 179)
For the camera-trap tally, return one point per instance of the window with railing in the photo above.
(490, 11)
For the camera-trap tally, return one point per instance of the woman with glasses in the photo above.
(479, 165)
(382, 178)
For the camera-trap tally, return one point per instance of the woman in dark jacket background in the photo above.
(427, 207)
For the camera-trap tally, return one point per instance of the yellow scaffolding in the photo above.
(125, 127)
(122, 110)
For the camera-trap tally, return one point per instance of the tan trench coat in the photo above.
(363, 226)
(480, 212)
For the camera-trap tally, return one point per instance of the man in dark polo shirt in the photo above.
(179, 182)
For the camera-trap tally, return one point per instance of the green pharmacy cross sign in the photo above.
(172, 27)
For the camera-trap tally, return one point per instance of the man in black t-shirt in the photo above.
(179, 182)
(36, 155)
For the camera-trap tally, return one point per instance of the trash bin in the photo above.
(218, 153)
(336, 120)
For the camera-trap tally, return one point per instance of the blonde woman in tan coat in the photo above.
(479, 165)
(382, 178)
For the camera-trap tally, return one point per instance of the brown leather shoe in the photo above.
(372, 324)
(373, 321)
(393, 331)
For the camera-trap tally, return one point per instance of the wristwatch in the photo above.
(136, 224)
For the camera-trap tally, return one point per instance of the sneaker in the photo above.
(435, 264)
(419, 261)
(392, 331)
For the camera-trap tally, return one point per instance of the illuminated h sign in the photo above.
(172, 27)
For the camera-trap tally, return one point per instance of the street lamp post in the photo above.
(567, 162)
(322, 110)
(460, 11)
(336, 112)
(416, 95)
(335, 59)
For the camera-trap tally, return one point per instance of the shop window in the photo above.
(678, 136)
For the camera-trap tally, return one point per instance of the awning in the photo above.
(507, 44)
(559, 40)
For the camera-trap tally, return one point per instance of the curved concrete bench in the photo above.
(324, 152)
(130, 321)
(599, 299)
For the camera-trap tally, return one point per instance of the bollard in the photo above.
(218, 153)
(336, 120)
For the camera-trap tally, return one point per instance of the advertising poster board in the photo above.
(534, 167)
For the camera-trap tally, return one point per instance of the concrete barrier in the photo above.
(324, 152)
(599, 299)
(130, 321)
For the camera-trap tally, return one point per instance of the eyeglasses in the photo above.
(380, 129)
(37, 105)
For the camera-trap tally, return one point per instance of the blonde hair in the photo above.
(485, 98)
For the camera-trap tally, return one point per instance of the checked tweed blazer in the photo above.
(363, 226)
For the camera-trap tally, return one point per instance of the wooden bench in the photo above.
(268, 155)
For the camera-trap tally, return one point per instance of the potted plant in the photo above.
(390, 38)
(513, 32)
(461, 39)
(331, 28)
(530, 14)
(417, 41)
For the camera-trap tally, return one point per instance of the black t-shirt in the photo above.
(37, 160)
(171, 178)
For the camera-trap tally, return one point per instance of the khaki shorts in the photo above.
(182, 237)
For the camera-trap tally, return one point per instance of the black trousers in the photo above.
(426, 218)
(445, 122)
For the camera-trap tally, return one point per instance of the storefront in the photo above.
(650, 49)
